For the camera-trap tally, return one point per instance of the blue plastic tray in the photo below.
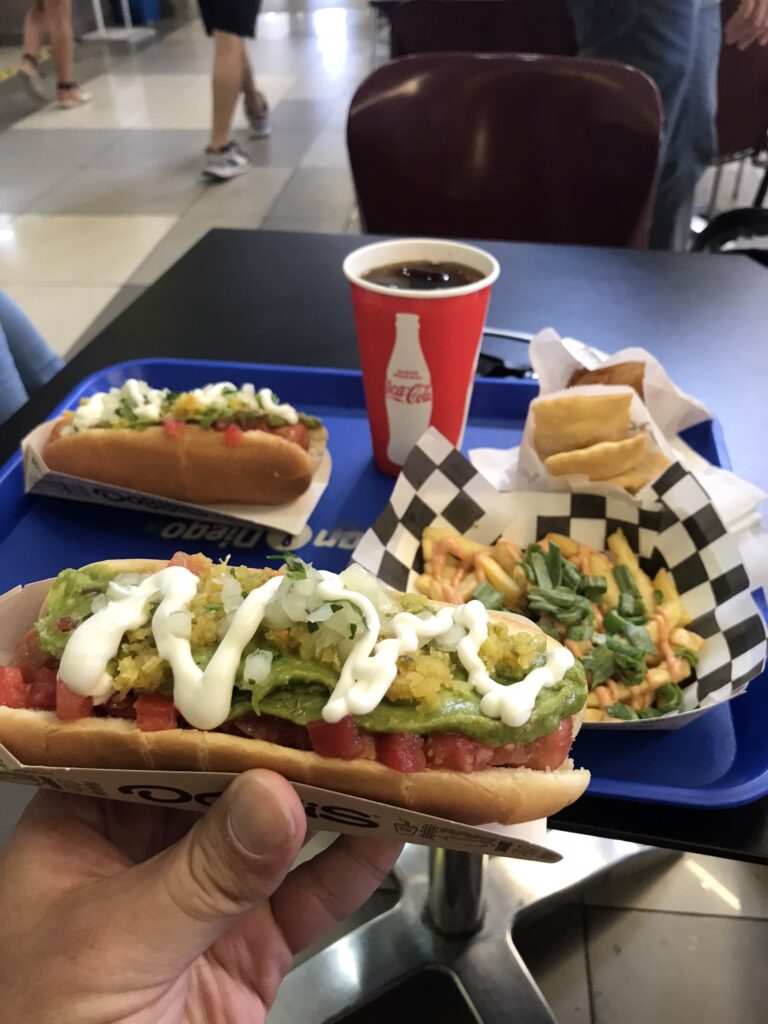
(720, 760)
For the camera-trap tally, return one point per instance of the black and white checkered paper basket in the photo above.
(676, 528)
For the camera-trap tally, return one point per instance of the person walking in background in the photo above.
(677, 43)
(54, 18)
(229, 24)
(26, 362)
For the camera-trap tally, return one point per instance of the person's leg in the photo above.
(35, 363)
(58, 15)
(659, 37)
(227, 83)
(255, 100)
(13, 394)
(34, 32)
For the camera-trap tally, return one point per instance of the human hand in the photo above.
(748, 25)
(117, 912)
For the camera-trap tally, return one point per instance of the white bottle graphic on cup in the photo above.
(408, 389)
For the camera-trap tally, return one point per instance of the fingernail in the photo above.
(258, 820)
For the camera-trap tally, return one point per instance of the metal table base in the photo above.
(455, 910)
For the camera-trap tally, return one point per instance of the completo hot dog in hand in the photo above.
(218, 443)
(331, 680)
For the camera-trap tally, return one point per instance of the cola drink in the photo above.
(408, 389)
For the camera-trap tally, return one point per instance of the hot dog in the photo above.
(218, 443)
(331, 680)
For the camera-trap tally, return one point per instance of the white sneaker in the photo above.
(227, 163)
(261, 127)
(77, 98)
(30, 78)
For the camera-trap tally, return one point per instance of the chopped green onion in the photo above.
(554, 564)
(541, 570)
(688, 655)
(488, 595)
(593, 585)
(297, 569)
(600, 664)
(623, 711)
(630, 662)
(614, 623)
(582, 631)
(599, 639)
(627, 604)
(639, 637)
(213, 607)
(669, 698)
(571, 577)
(658, 596)
(648, 713)
(623, 577)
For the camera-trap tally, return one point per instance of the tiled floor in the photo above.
(96, 203)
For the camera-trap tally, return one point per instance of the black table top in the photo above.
(266, 296)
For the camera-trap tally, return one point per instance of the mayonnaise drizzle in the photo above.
(204, 697)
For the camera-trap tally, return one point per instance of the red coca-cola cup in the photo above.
(418, 348)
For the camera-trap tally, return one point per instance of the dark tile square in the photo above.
(462, 512)
(704, 527)
(457, 469)
(385, 525)
(393, 572)
(418, 468)
(689, 573)
(552, 524)
(588, 506)
(417, 516)
(745, 635)
(732, 582)
(671, 476)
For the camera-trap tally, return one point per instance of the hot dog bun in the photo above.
(506, 795)
(194, 465)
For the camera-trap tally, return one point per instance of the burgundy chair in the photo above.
(538, 149)
(481, 26)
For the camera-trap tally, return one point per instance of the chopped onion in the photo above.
(129, 579)
(275, 616)
(231, 594)
(363, 582)
(257, 666)
(99, 602)
(320, 614)
(180, 624)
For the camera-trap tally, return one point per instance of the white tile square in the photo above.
(61, 312)
(77, 250)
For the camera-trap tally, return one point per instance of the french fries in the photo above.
(628, 630)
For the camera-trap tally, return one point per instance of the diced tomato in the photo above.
(550, 751)
(456, 752)
(195, 563)
(172, 426)
(219, 426)
(41, 692)
(341, 739)
(274, 730)
(155, 712)
(233, 435)
(546, 752)
(295, 432)
(30, 656)
(13, 693)
(69, 705)
(402, 751)
(66, 624)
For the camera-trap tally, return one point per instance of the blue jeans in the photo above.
(26, 362)
(677, 43)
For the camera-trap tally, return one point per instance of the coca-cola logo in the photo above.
(409, 394)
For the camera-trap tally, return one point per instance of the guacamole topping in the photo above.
(288, 669)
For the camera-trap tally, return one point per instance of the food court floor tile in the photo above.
(62, 312)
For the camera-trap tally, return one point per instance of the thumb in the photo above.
(172, 907)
